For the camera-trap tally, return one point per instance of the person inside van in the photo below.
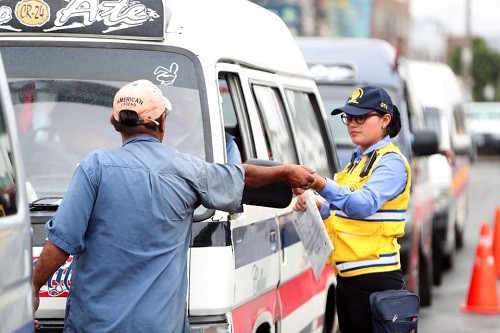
(126, 217)
(232, 150)
(364, 207)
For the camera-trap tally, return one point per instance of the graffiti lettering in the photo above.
(84, 8)
(59, 283)
(118, 14)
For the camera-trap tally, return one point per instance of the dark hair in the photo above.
(128, 124)
(395, 124)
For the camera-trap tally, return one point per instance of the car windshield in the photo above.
(478, 111)
(63, 101)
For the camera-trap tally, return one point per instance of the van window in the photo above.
(310, 134)
(277, 129)
(8, 204)
(234, 113)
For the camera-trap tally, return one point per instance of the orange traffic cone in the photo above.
(483, 293)
(496, 240)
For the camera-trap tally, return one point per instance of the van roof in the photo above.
(237, 30)
(435, 83)
(374, 59)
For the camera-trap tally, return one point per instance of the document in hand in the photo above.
(312, 233)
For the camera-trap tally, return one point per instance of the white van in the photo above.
(16, 293)
(443, 97)
(227, 66)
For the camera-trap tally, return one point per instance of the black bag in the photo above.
(394, 311)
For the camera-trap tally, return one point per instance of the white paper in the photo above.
(312, 233)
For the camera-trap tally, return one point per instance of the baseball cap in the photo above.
(365, 99)
(143, 97)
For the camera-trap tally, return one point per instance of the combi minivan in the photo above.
(226, 66)
(341, 64)
(443, 98)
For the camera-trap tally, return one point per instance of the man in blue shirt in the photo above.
(126, 217)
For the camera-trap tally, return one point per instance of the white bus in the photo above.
(226, 66)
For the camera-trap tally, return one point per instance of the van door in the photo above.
(16, 294)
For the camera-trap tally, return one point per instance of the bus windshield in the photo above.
(63, 99)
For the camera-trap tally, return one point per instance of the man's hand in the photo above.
(295, 176)
(298, 177)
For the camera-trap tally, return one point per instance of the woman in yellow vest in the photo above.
(364, 207)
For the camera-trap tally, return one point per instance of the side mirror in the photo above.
(425, 143)
(202, 213)
(275, 195)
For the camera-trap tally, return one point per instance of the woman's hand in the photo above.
(300, 203)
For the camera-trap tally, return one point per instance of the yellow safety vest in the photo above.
(368, 245)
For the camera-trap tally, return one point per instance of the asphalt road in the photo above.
(445, 314)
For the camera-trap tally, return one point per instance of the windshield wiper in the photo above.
(46, 203)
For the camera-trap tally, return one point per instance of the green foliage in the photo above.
(485, 68)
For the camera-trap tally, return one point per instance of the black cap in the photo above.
(365, 99)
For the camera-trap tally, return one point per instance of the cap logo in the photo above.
(129, 101)
(383, 105)
(356, 94)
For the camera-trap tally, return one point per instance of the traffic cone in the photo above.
(496, 240)
(483, 293)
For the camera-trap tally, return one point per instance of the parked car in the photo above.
(338, 66)
(442, 95)
(483, 123)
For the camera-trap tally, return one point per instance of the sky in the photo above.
(485, 15)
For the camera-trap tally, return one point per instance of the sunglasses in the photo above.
(347, 118)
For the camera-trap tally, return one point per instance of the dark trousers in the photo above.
(353, 308)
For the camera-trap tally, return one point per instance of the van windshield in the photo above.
(63, 100)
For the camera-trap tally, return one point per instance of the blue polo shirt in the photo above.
(127, 217)
(386, 182)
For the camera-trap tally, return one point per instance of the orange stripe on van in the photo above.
(460, 177)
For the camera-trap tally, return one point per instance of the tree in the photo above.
(485, 68)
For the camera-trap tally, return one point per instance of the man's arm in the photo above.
(295, 176)
(49, 261)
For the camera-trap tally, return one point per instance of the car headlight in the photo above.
(442, 198)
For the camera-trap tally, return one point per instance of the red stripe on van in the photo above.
(302, 288)
(293, 294)
(245, 316)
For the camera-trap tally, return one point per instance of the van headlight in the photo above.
(211, 328)
(209, 324)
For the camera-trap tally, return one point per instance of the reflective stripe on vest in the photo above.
(380, 216)
(384, 260)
